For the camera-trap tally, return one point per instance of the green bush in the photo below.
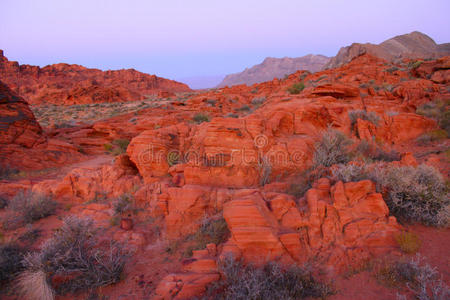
(332, 149)
(296, 88)
(200, 118)
(270, 282)
(122, 145)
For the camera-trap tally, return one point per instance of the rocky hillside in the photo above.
(412, 45)
(332, 170)
(75, 84)
(272, 68)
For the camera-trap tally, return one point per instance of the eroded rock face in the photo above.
(23, 145)
(17, 122)
(65, 84)
(335, 225)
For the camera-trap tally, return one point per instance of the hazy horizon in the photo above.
(203, 41)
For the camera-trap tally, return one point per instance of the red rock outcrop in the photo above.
(334, 225)
(23, 145)
(65, 84)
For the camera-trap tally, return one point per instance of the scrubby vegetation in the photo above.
(200, 118)
(332, 149)
(71, 260)
(412, 194)
(11, 256)
(296, 88)
(418, 277)
(354, 115)
(439, 111)
(271, 282)
(408, 242)
(375, 152)
(211, 231)
(31, 207)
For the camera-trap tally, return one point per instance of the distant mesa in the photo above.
(275, 67)
(412, 45)
(66, 84)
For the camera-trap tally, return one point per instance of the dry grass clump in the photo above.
(408, 242)
(268, 282)
(70, 261)
(332, 149)
(31, 207)
(422, 280)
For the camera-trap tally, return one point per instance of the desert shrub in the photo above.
(332, 149)
(254, 91)
(123, 203)
(432, 136)
(7, 172)
(392, 69)
(73, 255)
(11, 257)
(414, 64)
(244, 107)
(304, 181)
(3, 202)
(122, 145)
(269, 282)
(108, 147)
(412, 194)
(200, 118)
(439, 111)
(422, 280)
(265, 170)
(415, 194)
(408, 242)
(258, 100)
(231, 115)
(211, 102)
(376, 152)
(296, 88)
(354, 115)
(32, 207)
(211, 231)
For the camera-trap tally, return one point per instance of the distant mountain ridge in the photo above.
(411, 45)
(275, 67)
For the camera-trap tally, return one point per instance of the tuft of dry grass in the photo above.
(408, 242)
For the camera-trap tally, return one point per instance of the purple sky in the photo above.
(182, 39)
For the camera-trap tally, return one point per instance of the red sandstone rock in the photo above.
(74, 84)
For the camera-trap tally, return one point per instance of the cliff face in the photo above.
(75, 84)
(272, 68)
(412, 45)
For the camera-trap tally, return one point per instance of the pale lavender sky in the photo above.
(182, 39)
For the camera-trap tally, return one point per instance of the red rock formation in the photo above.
(74, 84)
(335, 225)
(23, 145)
